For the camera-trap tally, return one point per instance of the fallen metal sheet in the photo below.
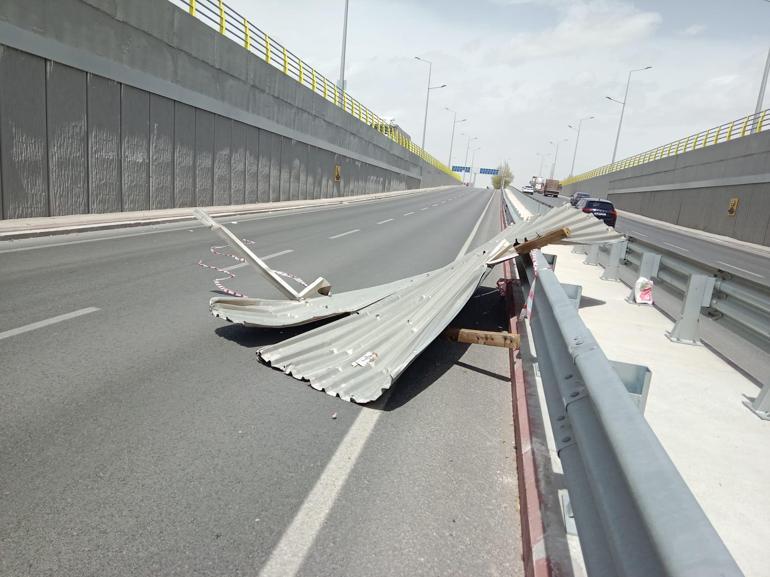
(288, 313)
(360, 356)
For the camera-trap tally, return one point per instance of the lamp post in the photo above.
(473, 159)
(455, 122)
(467, 150)
(341, 82)
(427, 98)
(762, 86)
(542, 156)
(577, 141)
(556, 154)
(623, 109)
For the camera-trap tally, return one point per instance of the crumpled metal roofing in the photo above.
(360, 356)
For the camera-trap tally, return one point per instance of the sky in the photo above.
(521, 71)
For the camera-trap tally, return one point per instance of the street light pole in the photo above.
(556, 154)
(455, 122)
(473, 159)
(341, 82)
(427, 98)
(577, 141)
(467, 150)
(762, 86)
(542, 160)
(623, 109)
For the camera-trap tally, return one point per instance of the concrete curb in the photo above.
(535, 558)
(47, 226)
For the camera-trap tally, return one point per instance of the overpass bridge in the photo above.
(140, 436)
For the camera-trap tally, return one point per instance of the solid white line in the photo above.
(638, 234)
(676, 246)
(355, 230)
(408, 213)
(46, 322)
(288, 555)
(468, 241)
(386, 220)
(740, 269)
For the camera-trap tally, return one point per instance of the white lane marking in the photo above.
(468, 241)
(275, 254)
(386, 220)
(47, 322)
(676, 246)
(434, 204)
(740, 269)
(424, 208)
(268, 257)
(346, 233)
(633, 233)
(408, 213)
(288, 555)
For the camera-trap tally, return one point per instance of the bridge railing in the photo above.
(233, 25)
(751, 124)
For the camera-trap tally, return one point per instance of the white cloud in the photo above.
(694, 30)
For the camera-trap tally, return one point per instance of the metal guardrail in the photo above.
(751, 124)
(229, 23)
(634, 513)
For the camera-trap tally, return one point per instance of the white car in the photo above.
(527, 189)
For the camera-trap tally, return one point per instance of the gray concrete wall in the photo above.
(117, 105)
(694, 189)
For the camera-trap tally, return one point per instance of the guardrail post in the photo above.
(617, 253)
(761, 405)
(579, 249)
(592, 257)
(697, 296)
(192, 7)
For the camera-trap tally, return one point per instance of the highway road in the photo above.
(741, 259)
(140, 436)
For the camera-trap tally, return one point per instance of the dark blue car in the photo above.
(602, 209)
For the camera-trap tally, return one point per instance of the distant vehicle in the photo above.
(552, 187)
(527, 189)
(577, 197)
(602, 209)
(537, 183)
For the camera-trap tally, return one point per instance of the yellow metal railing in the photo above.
(231, 24)
(751, 124)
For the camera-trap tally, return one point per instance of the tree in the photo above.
(503, 177)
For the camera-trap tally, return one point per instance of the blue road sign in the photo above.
(492, 171)
(457, 168)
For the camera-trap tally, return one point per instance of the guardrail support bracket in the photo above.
(761, 405)
(617, 253)
(592, 256)
(698, 295)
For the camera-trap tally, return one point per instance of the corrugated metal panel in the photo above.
(360, 356)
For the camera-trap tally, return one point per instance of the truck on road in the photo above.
(537, 183)
(552, 187)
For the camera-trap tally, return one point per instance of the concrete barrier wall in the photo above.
(126, 105)
(694, 189)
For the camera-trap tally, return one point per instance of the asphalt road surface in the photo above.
(741, 259)
(140, 436)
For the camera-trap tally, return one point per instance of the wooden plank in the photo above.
(489, 338)
(541, 241)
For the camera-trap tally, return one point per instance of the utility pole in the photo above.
(556, 154)
(762, 86)
(341, 82)
(427, 98)
(455, 122)
(467, 150)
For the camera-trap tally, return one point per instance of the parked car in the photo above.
(577, 197)
(602, 209)
(527, 189)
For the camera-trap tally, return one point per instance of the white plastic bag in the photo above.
(643, 291)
